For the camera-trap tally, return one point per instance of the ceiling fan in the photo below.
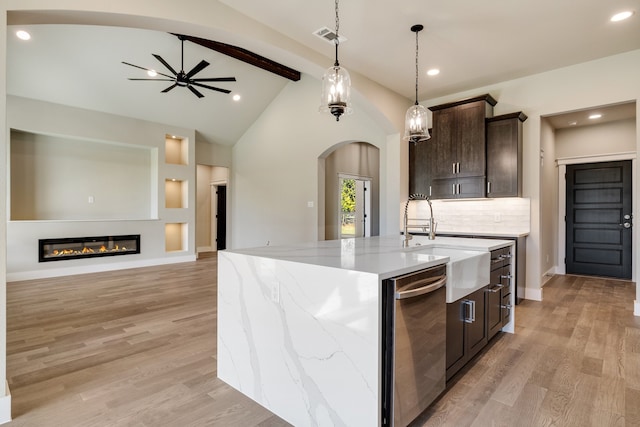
(183, 79)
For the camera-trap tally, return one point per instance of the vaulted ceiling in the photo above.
(472, 43)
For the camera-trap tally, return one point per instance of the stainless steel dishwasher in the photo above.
(414, 313)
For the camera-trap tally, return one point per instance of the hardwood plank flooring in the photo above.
(138, 348)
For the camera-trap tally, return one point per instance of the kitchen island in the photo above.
(299, 327)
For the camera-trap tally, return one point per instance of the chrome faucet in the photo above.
(432, 224)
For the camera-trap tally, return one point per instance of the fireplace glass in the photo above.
(87, 247)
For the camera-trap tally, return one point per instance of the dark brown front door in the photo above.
(599, 219)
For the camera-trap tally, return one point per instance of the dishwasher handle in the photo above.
(423, 289)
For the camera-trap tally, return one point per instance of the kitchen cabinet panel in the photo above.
(466, 330)
(458, 149)
(504, 155)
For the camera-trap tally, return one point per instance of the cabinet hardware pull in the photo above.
(496, 288)
(458, 189)
(458, 167)
(453, 168)
(488, 187)
(466, 315)
(473, 311)
(453, 189)
(428, 288)
(505, 276)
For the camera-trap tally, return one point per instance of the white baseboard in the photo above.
(5, 405)
(533, 294)
(636, 308)
(95, 268)
(205, 249)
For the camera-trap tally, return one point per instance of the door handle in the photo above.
(625, 224)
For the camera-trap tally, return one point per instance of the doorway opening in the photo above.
(354, 206)
(211, 208)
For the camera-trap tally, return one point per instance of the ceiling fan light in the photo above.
(336, 92)
(152, 73)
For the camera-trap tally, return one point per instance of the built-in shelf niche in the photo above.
(176, 150)
(175, 234)
(176, 194)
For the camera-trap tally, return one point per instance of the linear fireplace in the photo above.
(87, 247)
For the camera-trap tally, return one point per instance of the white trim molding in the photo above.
(5, 405)
(636, 308)
(533, 294)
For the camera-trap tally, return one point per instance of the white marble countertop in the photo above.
(381, 255)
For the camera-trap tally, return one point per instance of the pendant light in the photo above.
(416, 128)
(336, 84)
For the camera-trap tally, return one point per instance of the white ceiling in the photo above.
(473, 44)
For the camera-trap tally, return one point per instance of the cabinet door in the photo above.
(470, 138)
(443, 143)
(504, 158)
(420, 167)
(470, 187)
(477, 329)
(455, 336)
(443, 188)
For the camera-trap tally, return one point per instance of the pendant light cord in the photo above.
(416, 67)
(337, 64)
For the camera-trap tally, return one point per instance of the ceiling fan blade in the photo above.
(147, 69)
(195, 70)
(210, 87)
(195, 91)
(169, 88)
(157, 80)
(216, 79)
(165, 63)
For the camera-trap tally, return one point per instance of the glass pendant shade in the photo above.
(336, 92)
(416, 127)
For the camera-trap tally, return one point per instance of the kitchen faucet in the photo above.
(432, 224)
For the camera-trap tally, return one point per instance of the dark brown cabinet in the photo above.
(457, 148)
(420, 167)
(504, 155)
(499, 291)
(466, 330)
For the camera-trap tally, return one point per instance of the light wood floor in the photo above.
(137, 348)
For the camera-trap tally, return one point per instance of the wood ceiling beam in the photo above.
(246, 56)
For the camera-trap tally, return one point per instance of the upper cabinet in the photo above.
(457, 148)
(504, 155)
(471, 154)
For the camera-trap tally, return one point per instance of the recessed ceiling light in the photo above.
(23, 35)
(236, 97)
(573, 123)
(433, 72)
(152, 73)
(595, 116)
(621, 16)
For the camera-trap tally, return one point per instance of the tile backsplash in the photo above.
(503, 216)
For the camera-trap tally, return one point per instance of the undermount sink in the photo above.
(467, 271)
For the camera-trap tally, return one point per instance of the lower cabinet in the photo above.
(473, 320)
(466, 330)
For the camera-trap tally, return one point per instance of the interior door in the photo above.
(599, 219)
(221, 218)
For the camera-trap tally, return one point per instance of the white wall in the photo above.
(548, 201)
(594, 140)
(5, 396)
(604, 81)
(78, 124)
(274, 173)
(54, 178)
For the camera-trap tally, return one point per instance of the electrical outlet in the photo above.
(90, 199)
